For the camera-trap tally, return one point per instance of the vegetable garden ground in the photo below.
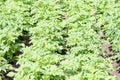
(59, 39)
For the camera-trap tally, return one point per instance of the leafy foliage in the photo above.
(12, 23)
(63, 33)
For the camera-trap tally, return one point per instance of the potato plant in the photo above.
(58, 39)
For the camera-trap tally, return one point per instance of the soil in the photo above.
(23, 39)
(108, 49)
(5, 77)
(64, 41)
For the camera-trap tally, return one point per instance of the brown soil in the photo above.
(26, 40)
(116, 71)
(5, 77)
(107, 48)
(63, 42)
